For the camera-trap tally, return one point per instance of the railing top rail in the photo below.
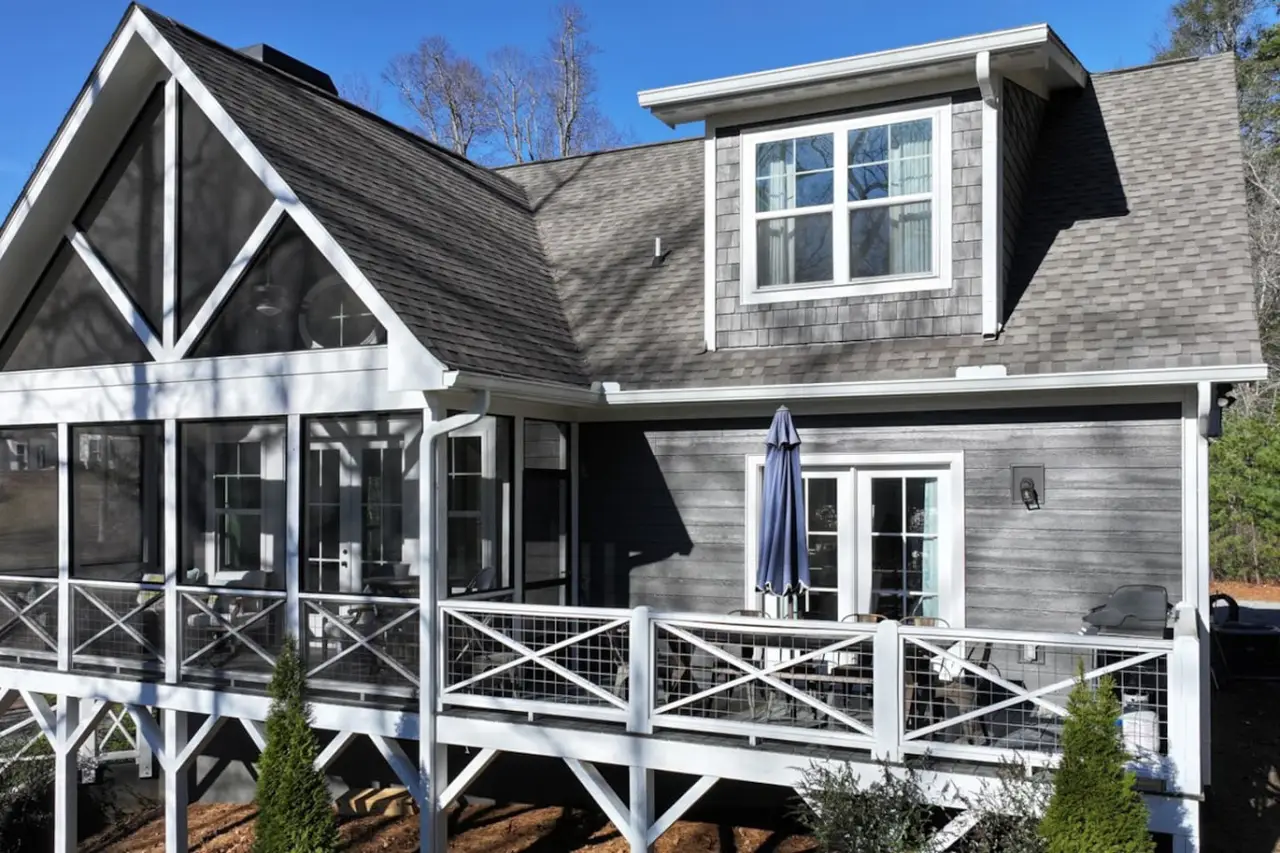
(758, 625)
(1092, 641)
(26, 579)
(355, 598)
(487, 595)
(238, 592)
(132, 586)
(545, 610)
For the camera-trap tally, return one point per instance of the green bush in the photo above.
(295, 811)
(26, 797)
(1009, 812)
(1094, 807)
(890, 815)
(1244, 498)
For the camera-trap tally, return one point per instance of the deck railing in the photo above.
(29, 621)
(230, 635)
(360, 644)
(117, 626)
(892, 691)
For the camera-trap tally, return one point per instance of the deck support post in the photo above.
(641, 800)
(639, 694)
(175, 781)
(887, 709)
(66, 756)
(1188, 839)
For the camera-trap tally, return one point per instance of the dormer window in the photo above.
(859, 206)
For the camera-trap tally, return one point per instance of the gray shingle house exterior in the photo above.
(489, 441)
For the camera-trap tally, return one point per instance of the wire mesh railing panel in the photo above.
(1011, 695)
(116, 737)
(230, 637)
(573, 662)
(365, 646)
(749, 677)
(117, 628)
(29, 622)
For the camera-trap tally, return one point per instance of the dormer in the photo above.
(872, 197)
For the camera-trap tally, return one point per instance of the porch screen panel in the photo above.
(221, 201)
(232, 506)
(289, 299)
(479, 506)
(69, 322)
(546, 511)
(117, 483)
(29, 502)
(124, 218)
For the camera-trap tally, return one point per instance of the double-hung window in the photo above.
(851, 207)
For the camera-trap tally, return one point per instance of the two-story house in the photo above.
(489, 442)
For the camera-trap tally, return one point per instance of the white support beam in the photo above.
(605, 797)
(66, 457)
(66, 779)
(459, 784)
(116, 294)
(957, 828)
(176, 795)
(172, 604)
(46, 719)
(198, 741)
(205, 314)
(678, 809)
(333, 749)
(257, 733)
(400, 764)
(293, 524)
(169, 323)
(90, 713)
(149, 732)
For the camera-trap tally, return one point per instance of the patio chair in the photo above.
(482, 581)
(917, 671)
(229, 612)
(1135, 610)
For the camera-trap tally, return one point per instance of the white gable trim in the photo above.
(170, 281)
(276, 185)
(130, 312)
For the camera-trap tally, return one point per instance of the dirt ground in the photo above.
(477, 829)
(1243, 813)
(1248, 591)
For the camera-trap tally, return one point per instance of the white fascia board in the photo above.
(948, 385)
(680, 103)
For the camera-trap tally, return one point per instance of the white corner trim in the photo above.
(260, 166)
(123, 304)
(945, 385)
(991, 85)
(169, 323)
(229, 279)
(709, 248)
(49, 163)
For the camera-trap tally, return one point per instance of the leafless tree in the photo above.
(358, 89)
(517, 104)
(446, 93)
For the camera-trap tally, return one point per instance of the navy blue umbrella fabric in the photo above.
(783, 564)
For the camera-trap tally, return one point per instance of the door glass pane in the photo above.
(886, 505)
(69, 322)
(124, 219)
(221, 202)
(821, 500)
(289, 299)
(820, 605)
(546, 500)
(116, 481)
(823, 560)
(922, 505)
(382, 552)
(886, 576)
(29, 502)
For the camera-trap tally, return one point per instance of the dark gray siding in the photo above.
(898, 315)
(663, 512)
(1022, 113)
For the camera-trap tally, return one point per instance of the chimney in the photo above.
(268, 55)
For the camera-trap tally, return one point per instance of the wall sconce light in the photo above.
(1223, 395)
(1028, 486)
(1028, 491)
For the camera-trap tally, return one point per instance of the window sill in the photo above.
(810, 292)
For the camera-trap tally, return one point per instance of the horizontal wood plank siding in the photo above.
(663, 505)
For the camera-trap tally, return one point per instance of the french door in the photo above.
(361, 519)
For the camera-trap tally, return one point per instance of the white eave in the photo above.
(1034, 50)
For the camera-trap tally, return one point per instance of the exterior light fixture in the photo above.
(1221, 398)
(1027, 489)
(1027, 486)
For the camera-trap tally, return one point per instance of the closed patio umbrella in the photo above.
(782, 567)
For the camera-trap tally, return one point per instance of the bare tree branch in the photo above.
(517, 104)
(446, 93)
(357, 89)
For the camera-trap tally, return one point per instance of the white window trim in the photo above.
(848, 467)
(940, 112)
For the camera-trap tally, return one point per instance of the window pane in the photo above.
(482, 505)
(886, 505)
(793, 250)
(868, 182)
(69, 322)
(289, 299)
(869, 145)
(775, 158)
(231, 508)
(465, 546)
(823, 560)
(546, 445)
(821, 499)
(813, 189)
(820, 605)
(221, 202)
(467, 454)
(29, 502)
(892, 240)
(814, 153)
(546, 521)
(922, 505)
(124, 219)
(794, 173)
(891, 161)
(116, 501)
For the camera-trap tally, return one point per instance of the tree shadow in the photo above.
(1243, 811)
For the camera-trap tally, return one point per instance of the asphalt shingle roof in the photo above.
(1133, 252)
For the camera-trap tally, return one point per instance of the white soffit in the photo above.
(1030, 50)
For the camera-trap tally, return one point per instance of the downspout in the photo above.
(991, 86)
(431, 754)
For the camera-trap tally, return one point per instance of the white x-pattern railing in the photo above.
(134, 646)
(28, 617)
(376, 626)
(232, 619)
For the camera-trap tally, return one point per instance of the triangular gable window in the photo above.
(124, 219)
(290, 298)
(69, 322)
(221, 202)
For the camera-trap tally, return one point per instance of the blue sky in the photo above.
(47, 49)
